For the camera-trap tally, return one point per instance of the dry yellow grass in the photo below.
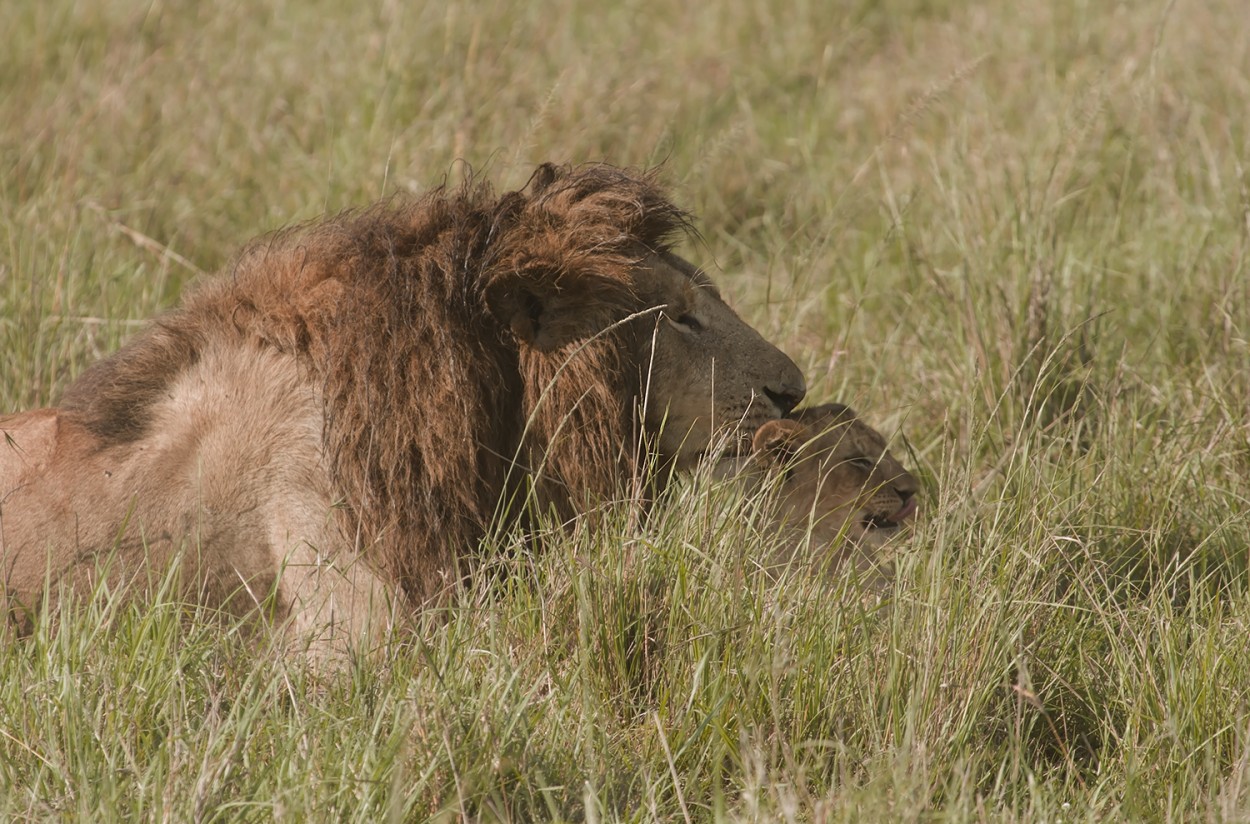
(1016, 232)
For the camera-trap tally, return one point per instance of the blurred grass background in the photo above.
(1014, 234)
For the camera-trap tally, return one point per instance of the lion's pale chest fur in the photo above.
(231, 476)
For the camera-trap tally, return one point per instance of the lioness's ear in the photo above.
(778, 441)
(548, 313)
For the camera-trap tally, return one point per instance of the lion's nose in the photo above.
(785, 395)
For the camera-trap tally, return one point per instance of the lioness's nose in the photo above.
(786, 394)
(906, 486)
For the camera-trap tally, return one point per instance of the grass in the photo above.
(1015, 234)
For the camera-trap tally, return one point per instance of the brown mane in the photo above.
(390, 310)
(330, 426)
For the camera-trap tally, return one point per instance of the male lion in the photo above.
(336, 420)
(832, 476)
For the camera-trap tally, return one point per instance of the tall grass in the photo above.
(1015, 234)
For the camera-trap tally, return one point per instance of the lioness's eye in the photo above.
(864, 463)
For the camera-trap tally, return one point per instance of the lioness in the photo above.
(337, 418)
(831, 475)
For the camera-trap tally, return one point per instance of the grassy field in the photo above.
(1013, 234)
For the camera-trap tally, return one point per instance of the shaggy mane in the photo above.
(392, 313)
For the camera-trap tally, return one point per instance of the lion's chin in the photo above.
(730, 449)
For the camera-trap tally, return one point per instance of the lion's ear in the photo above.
(778, 441)
(548, 314)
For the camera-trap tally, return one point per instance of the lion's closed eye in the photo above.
(684, 322)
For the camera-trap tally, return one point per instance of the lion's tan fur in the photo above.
(342, 413)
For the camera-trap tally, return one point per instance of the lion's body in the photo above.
(341, 415)
(836, 488)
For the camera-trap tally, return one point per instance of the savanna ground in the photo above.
(1015, 234)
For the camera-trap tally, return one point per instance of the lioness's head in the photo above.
(585, 271)
(836, 476)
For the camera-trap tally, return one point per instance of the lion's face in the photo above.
(703, 375)
(577, 255)
(837, 476)
(706, 372)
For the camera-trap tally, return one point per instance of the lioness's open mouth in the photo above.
(890, 523)
(878, 522)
